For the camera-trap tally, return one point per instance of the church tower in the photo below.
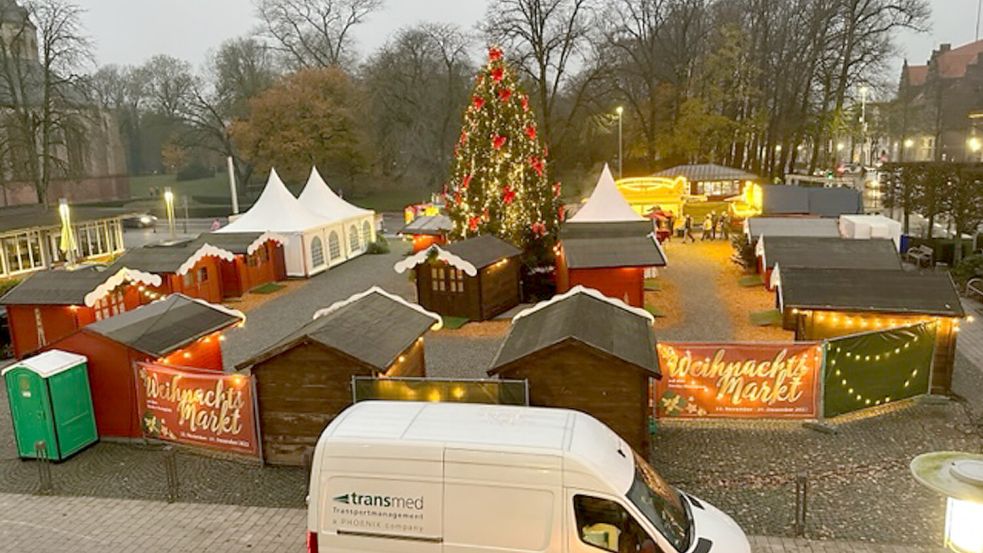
(18, 33)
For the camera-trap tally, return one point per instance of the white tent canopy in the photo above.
(870, 226)
(353, 226)
(606, 204)
(277, 210)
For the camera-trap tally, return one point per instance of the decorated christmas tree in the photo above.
(499, 184)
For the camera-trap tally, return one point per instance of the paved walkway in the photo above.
(96, 525)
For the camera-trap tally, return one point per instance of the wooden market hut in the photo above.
(191, 267)
(784, 200)
(258, 260)
(823, 303)
(583, 350)
(476, 279)
(713, 181)
(427, 230)
(51, 304)
(790, 252)
(756, 227)
(305, 380)
(607, 246)
(609, 257)
(177, 330)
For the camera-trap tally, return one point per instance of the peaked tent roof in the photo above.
(587, 316)
(164, 326)
(606, 203)
(276, 210)
(321, 200)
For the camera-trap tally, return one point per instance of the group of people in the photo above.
(714, 226)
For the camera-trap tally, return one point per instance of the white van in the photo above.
(408, 477)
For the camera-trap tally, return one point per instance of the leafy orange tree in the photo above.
(499, 180)
(306, 119)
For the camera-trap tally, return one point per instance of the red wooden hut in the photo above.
(258, 260)
(189, 267)
(427, 230)
(178, 330)
(52, 304)
(611, 257)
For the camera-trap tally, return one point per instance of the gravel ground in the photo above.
(697, 311)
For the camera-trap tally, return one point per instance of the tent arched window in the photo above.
(334, 245)
(366, 231)
(317, 252)
(353, 238)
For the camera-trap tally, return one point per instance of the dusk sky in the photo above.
(129, 32)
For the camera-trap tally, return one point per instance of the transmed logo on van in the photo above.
(385, 501)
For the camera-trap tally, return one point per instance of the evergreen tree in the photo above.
(499, 183)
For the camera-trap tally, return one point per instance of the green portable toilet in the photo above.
(50, 401)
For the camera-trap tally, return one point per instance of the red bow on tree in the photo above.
(538, 228)
(497, 74)
(466, 181)
(556, 189)
(464, 138)
(531, 132)
(494, 53)
(525, 102)
(473, 223)
(499, 141)
(561, 214)
(504, 94)
(537, 165)
(478, 102)
(508, 195)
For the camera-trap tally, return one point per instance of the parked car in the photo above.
(140, 220)
(414, 476)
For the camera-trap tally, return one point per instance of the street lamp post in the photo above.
(974, 144)
(959, 477)
(620, 110)
(863, 125)
(169, 209)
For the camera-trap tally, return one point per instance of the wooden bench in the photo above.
(921, 255)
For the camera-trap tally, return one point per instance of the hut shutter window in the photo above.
(39, 323)
(457, 281)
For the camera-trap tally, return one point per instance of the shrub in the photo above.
(744, 252)
(970, 267)
(380, 246)
(194, 171)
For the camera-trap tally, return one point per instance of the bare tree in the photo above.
(40, 61)
(124, 91)
(313, 33)
(169, 83)
(417, 86)
(549, 38)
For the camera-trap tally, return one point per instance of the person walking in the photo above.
(725, 226)
(688, 229)
(707, 228)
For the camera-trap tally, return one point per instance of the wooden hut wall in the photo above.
(809, 327)
(246, 272)
(465, 304)
(413, 363)
(203, 281)
(623, 283)
(572, 375)
(499, 288)
(424, 241)
(299, 392)
(58, 321)
(112, 381)
(205, 354)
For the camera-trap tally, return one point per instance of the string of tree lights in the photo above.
(874, 322)
(853, 389)
(500, 180)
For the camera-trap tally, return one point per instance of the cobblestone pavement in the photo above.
(96, 525)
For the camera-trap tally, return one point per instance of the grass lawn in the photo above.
(750, 281)
(770, 317)
(652, 285)
(268, 288)
(699, 210)
(390, 200)
(454, 323)
(212, 186)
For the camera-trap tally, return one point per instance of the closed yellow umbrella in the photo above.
(67, 243)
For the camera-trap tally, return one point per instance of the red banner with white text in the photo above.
(204, 409)
(719, 380)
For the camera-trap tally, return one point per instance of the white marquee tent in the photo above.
(351, 229)
(277, 210)
(606, 204)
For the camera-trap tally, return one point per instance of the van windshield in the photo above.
(661, 504)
